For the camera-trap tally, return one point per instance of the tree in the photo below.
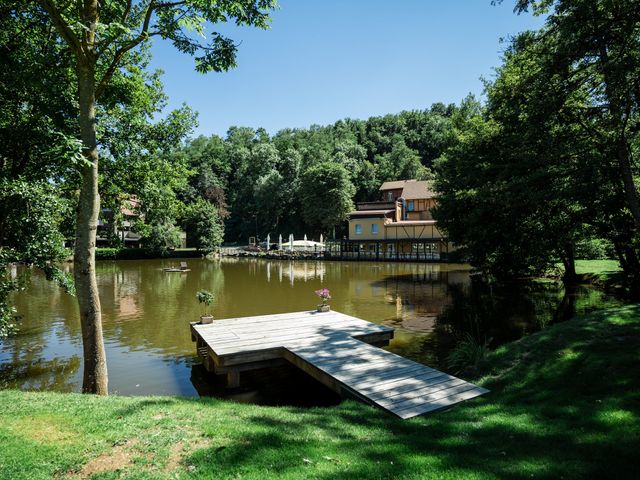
(270, 193)
(595, 47)
(29, 234)
(524, 182)
(401, 163)
(39, 148)
(102, 40)
(36, 125)
(204, 227)
(207, 157)
(37, 120)
(260, 175)
(159, 238)
(326, 195)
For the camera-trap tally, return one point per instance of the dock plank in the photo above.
(334, 348)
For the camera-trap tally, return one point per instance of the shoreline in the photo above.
(47, 435)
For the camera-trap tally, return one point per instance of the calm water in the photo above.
(146, 315)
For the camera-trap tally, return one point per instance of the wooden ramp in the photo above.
(336, 349)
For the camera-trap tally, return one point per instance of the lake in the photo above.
(146, 315)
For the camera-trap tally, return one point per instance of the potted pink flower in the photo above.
(325, 296)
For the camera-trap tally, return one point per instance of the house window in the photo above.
(358, 229)
(410, 206)
(390, 196)
(374, 228)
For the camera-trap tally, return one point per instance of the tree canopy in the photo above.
(548, 164)
(101, 50)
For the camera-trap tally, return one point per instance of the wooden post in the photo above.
(233, 378)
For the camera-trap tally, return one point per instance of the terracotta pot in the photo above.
(324, 308)
(205, 319)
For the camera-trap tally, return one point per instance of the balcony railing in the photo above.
(376, 205)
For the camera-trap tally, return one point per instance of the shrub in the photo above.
(469, 354)
(107, 253)
(595, 249)
(205, 230)
(160, 239)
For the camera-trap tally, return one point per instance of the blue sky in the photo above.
(323, 60)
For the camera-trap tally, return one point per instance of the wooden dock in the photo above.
(338, 350)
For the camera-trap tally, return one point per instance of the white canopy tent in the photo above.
(303, 245)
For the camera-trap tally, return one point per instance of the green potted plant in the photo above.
(325, 296)
(206, 298)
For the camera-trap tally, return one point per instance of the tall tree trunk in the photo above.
(95, 364)
(621, 257)
(630, 190)
(632, 261)
(569, 262)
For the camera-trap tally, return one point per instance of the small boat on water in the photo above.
(182, 269)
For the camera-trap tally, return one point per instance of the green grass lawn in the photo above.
(564, 403)
(597, 267)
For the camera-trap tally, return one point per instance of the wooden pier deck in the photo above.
(338, 350)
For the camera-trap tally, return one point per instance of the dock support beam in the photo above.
(233, 378)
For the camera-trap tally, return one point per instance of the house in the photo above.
(398, 226)
(110, 227)
(121, 228)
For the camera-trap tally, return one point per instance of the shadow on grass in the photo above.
(564, 404)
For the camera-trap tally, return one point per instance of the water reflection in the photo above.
(147, 314)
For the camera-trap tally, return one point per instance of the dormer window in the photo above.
(389, 196)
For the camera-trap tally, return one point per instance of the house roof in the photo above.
(411, 189)
(130, 206)
(394, 185)
(370, 213)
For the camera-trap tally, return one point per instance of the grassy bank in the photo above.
(597, 267)
(565, 403)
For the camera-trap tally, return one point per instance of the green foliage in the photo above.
(32, 213)
(206, 298)
(538, 174)
(590, 52)
(203, 225)
(159, 239)
(401, 163)
(37, 122)
(595, 249)
(257, 178)
(326, 194)
(30, 235)
(469, 354)
(108, 253)
(272, 197)
(8, 314)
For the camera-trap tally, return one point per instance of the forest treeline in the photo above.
(306, 180)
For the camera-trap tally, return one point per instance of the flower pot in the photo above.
(204, 319)
(324, 307)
